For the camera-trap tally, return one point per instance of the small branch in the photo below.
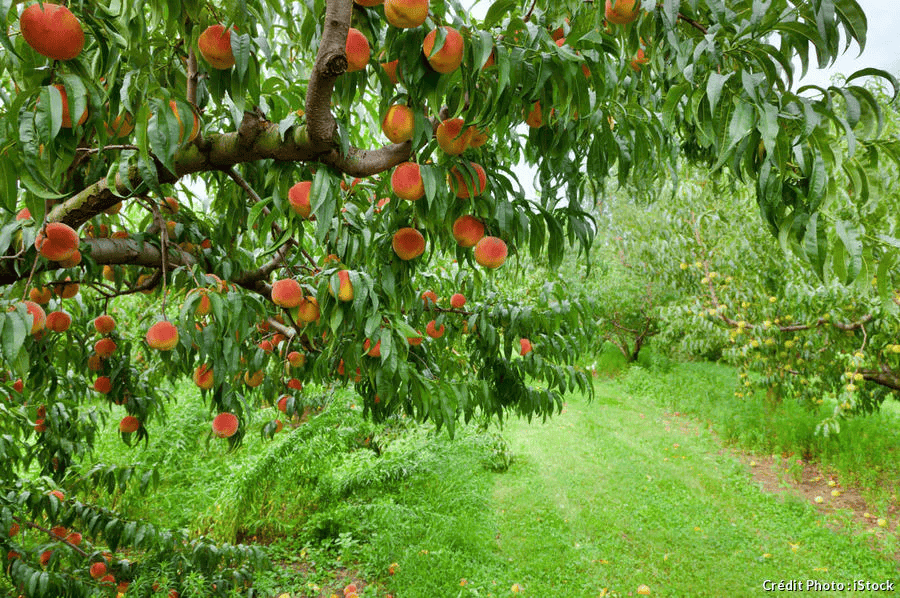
(692, 23)
(530, 11)
(251, 278)
(96, 150)
(192, 77)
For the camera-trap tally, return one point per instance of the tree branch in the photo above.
(331, 63)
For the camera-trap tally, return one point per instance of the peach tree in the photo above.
(324, 192)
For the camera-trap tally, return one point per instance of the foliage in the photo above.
(232, 142)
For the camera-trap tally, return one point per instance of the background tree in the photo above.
(296, 243)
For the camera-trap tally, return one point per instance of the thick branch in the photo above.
(331, 62)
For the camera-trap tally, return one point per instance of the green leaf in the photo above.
(497, 10)
(714, 86)
(814, 247)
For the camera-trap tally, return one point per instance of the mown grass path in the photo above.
(619, 492)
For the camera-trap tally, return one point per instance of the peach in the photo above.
(18, 385)
(162, 336)
(457, 300)
(405, 14)
(122, 126)
(45, 557)
(287, 293)
(358, 50)
(57, 241)
(391, 69)
(204, 305)
(398, 123)
(266, 346)
(74, 539)
(23, 214)
(408, 243)
(105, 347)
(225, 425)
(415, 341)
(169, 205)
(479, 137)
(39, 425)
(406, 181)
(282, 403)
(490, 252)
(640, 59)
(452, 137)
(52, 31)
(58, 494)
(535, 118)
(72, 261)
(429, 296)
(95, 363)
(104, 324)
(525, 346)
(66, 115)
(98, 570)
(103, 385)
(254, 380)
(215, 47)
(449, 57)
(465, 185)
(307, 311)
(38, 316)
(296, 359)
(279, 425)
(298, 197)
(67, 291)
(467, 230)
(109, 273)
(58, 321)
(294, 384)
(203, 377)
(41, 295)
(345, 287)
(433, 331)
(129, 424)
(623, 12)
(374, 351)
(195, 130)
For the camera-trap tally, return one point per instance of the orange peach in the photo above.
(307, 311)
(535, 118)
(429, 296)
(254, 380)
(391, 69)
(58, 321)
(622, 12)
(453, 137)
(23, 214)
(373, 351)
(104, 324)
(467, 230)
(122, 126)
(72, 261)
(640, 59)
(345, 288)
(398, 123)
(457, 300)
(358, 50)
(128, 425)
(287, 293)
(415, 341)
(296, 359)
(41, 295)
(203, 377)
(464, 185)
(103, 385)
(52, 30)
(57, 241)
(490, 252)
(448, 58)
(432, 330)
(298, 197)
(405, 14)
(225, 425)
(525, 346)
(38, 316)
(162, 336)
(406, 181)
(105, 347)
(408, 243)
(215, 47)
(170, 206)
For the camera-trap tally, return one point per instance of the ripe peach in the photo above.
(640, 59)
(294, 384)
(535, 119)
(624, 11)
(162, 336)
(525, 346)
(72, 261)
(203, 376)
(433, 331)
(129, 424)
(74, 539)
(103, 385)
(52, 30)
(41, 295)
(38, 316)
(215, 47)
(296, 359)
(59, 495)
(266, 346)
(279, 425)
(429, 296)
(457, 300)
(298, 197)
(122, 126)
(195, 130)
(23, 214)
(408, 243)
(405, 14)
(104, 324)
(391, 69)
(109, 274)
(287, 293)
(398, 123)
(39, 425)
(479, 137)
(374, 351)
(452, 137)
(307, 311)
(406, 181)
(467, 230)
(254, 380)
(204, 306)
(282, 403)
(95, 363)
(415, 341)
(225, 425)
(466, 186)
(67, 291)
(45, 557)
(105, 347)
(345, 289)
(13, 530)
(490, 252)
(358, 50)
(66, 115)
(449, 57)
(57, 241)
(58, 321)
